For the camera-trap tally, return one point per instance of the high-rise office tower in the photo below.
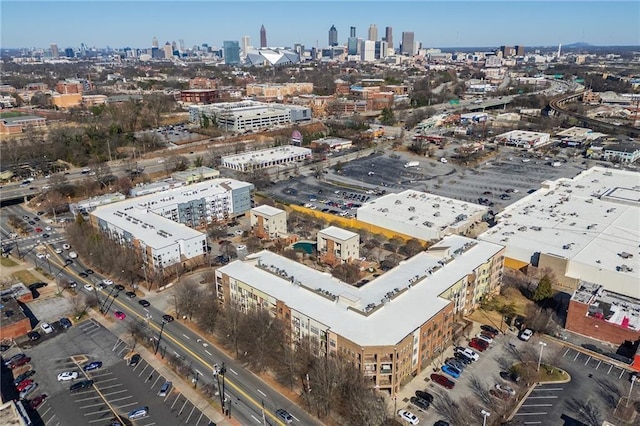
(333, 36)
(381, 49)
(388, 35)
(263, 37)
(69, 52)
(408, 47)
(168, 50)
(367, 50)
(231, 51)
(373, 32)
(352, 32)
(54, 50)
(245, 45)
(154, 42)
(352, 46)
(181, 43)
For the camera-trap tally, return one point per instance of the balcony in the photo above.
(386, 368)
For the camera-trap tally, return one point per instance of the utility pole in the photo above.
(542, 345)
(159, 337)
(633, 380)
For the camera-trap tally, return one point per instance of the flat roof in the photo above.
(338, 233)
(522, 135)
(423, 210)
(609, 306)
(383, 311)
(269, 154)
(593, 219)
(137, 215)
(267, 210)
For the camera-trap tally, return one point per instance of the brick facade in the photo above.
(578, 321)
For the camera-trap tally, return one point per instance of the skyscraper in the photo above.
(333, 36)
(263, 37)
(231, 50)
(408, 47)
(154, 42)
(245, 45)
(54, 50)
(388, 35)
(367, 50)
(168, 50)
(352, 32)
(373, 32)
(352, 46)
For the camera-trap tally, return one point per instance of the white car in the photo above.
(66, 246)
(469, 353)
(40, 255)
(238, 231)
(88, 287)
(107, 281)
(73, 255)
(58, 250)
(526, 334)
(67, 375)
(241, 247)
(526, 160)
(47, 228)
(484, 337)
(506, 389)
(409, 417)
(46, 327)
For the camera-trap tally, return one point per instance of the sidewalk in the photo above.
(210, 408)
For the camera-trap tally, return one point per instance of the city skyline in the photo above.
(434, 24)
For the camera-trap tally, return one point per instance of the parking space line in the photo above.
(531, 414)
(543, 397)
(532, 423)
(156, 381)
(110, 386)
(610, 367)
(538, 405)
(621, 373)
(115, 392)
(199, 418)
(93, 413)
(91, 405)
(183, 405)
(565, 352)
(189, 416)
(138, 365)
(145, 367)
(599, 362)
(86, 399)
(125, 405)
(174, 402)
(106, 380)
(577, 355)
(123, 350)
(45, 413)
(210, 354)
(587, 361)
(111, 401)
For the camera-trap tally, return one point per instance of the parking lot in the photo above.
(117, 386)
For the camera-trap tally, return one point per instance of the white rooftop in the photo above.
(422, 210)
(382, 312)
(269, 154)
(593, 220)
(338, 233)
(267, 210)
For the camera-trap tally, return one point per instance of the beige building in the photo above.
(337, 245)
(268, 222)
(279, 90)
(392, 327)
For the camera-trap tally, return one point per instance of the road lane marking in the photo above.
(256, 419)
(233, 371)
(532, 414)
(186, 336)
(543, 397)
(538, 405)
(262, 393)
(210, 354)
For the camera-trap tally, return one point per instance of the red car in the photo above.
(20, 362)
(38, 229)
(481, 342)
(475, 344)
(443, 381)
(119, 315)
(23, 384)
(37, 401)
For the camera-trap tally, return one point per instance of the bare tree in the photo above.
(259, 337)
(586, 410)
(479, 389)
(231, 327)
(449, 409)
(208, 313)
(187, 298)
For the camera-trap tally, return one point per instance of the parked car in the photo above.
(455, 363)
(506, 375)
(505, 389)
(77, 387)
(16, 357)
(477, 345)
(19, 363)
(284, 415)
(92, 366)
(23, 376)
(481, 342)
(26, 391)
(408, 417)
(164, 390)
(65, 322)
(488, 330)
(46, 327)
(485, 337)
(138, 413)
(443, 380)
(23, 384)
(452, 371)
(424, 395)
(462, 358)
(422, 404)
(134, 360)
(67, 375)
(593, 348)
(131, 294)
(37, 401)
(33, 335)
(526, 334)
(467, 352)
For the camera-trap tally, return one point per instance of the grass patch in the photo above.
(549, 373)
(12, 114)
(6, 262)
(511, 296)
(25, 277)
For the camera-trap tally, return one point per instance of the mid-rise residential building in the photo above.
(392, 327)
(14, 125)
(249, 115)
(90, 204)
(583, 229)
(161, 224)
(421, 215)
(337, 245)
(265, 158)
(268, 222)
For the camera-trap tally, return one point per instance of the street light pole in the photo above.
(485, 414)
(633, 380)
(542, 345)
(159, 337)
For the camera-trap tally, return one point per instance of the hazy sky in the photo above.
(435, 23)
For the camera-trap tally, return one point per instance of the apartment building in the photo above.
(337, 245)
(268, 222)
(391, 327)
